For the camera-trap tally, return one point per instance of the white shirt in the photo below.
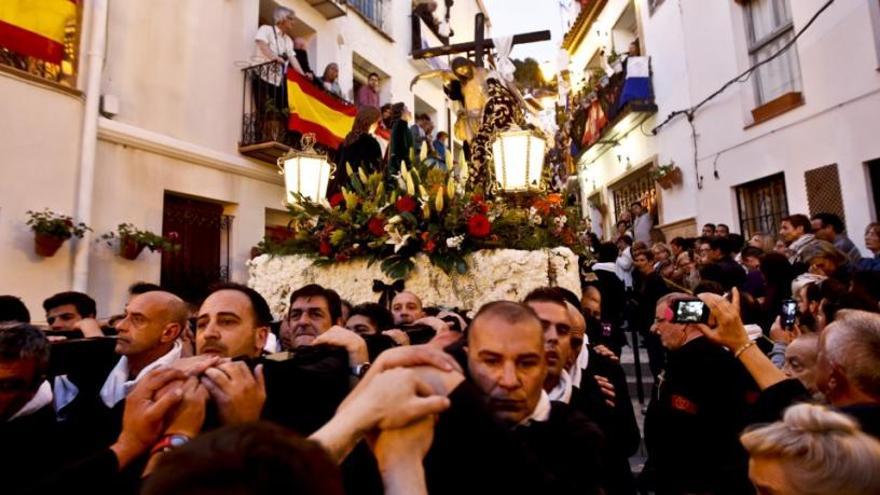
(41, 399)
(279, 43)
(117, 385)
(541, 412)
(624, 267)
(562, 391)
(642, 226)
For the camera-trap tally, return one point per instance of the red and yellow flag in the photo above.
(313, 110)
(35, 27)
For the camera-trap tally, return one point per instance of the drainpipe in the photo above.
(89, 141)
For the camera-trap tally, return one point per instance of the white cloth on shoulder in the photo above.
(117, 386)
(41, 399)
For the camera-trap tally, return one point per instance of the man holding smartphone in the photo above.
(693, 422)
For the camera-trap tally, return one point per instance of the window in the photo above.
(762, 205)
(769, 28)
(823, 191)
(639, 186)
(51, 55)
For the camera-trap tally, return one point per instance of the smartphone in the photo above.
(788, 313)
(690, 311)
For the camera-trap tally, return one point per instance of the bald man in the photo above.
(406, 308)
(148, 339)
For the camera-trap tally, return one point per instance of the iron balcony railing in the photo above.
(371, 10)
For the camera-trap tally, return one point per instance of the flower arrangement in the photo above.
(132, 240)
(422, 210)
(52, 229)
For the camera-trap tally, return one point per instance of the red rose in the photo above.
(405, 204)
(336, 199)
(376, 226)
(478, 226)
(428, 244)
(324, 248)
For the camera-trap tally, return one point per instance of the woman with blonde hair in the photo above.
(813, 451)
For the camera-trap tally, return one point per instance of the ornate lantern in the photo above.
(305, 171)
(519, 160)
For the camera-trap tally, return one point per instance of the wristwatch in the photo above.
(169, 442)
(359, 370)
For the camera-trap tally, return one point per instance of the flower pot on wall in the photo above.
(129, 248)
(47, 245)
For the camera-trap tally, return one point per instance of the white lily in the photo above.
(396, 239)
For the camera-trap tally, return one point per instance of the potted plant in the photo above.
(131, 241)
(667, 175)
(274, 121)
(52, 229)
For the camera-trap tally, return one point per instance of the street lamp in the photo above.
(519, 160)
(305, 171)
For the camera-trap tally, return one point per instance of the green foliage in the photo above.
(47, 222)
(422, 210)
(128, 232)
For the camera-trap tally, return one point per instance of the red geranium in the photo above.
(428, 244)
(336, 199)
(478, 226)
(324, 248)
(406, 204)
(376, 226)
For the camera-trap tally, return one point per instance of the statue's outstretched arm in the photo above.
(445, 74)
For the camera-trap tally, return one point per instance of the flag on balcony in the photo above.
(637, 85)
(314, 110)
(35, 28)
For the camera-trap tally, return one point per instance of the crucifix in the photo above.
(479, 47)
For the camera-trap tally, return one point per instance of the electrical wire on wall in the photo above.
(689, 113)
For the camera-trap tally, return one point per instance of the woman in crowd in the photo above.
(359, 149)
(813, 451)
(330, 80)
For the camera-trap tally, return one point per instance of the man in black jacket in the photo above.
(693, 424)
(722, 267)
(505, 359)
(30, 440)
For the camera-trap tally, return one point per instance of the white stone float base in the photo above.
(496, 274)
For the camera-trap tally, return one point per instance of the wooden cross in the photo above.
(480, 46)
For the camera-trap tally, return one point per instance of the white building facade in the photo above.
(148, 132)
(799, 135)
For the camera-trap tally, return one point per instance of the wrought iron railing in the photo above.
(371, 10)
(265, 111)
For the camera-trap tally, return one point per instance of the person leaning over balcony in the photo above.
(330, 80)
(274, 45)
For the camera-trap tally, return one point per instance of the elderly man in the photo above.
(692, 426)
(846, 363)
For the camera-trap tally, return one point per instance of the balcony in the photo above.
(330, 9)
(267, 129)
(264, 117)
(373, 12)
(616, 106)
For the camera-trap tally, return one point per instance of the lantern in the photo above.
(305, 171)
(519, 160)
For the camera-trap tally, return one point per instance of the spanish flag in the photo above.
(313, 110)
(35, 27)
